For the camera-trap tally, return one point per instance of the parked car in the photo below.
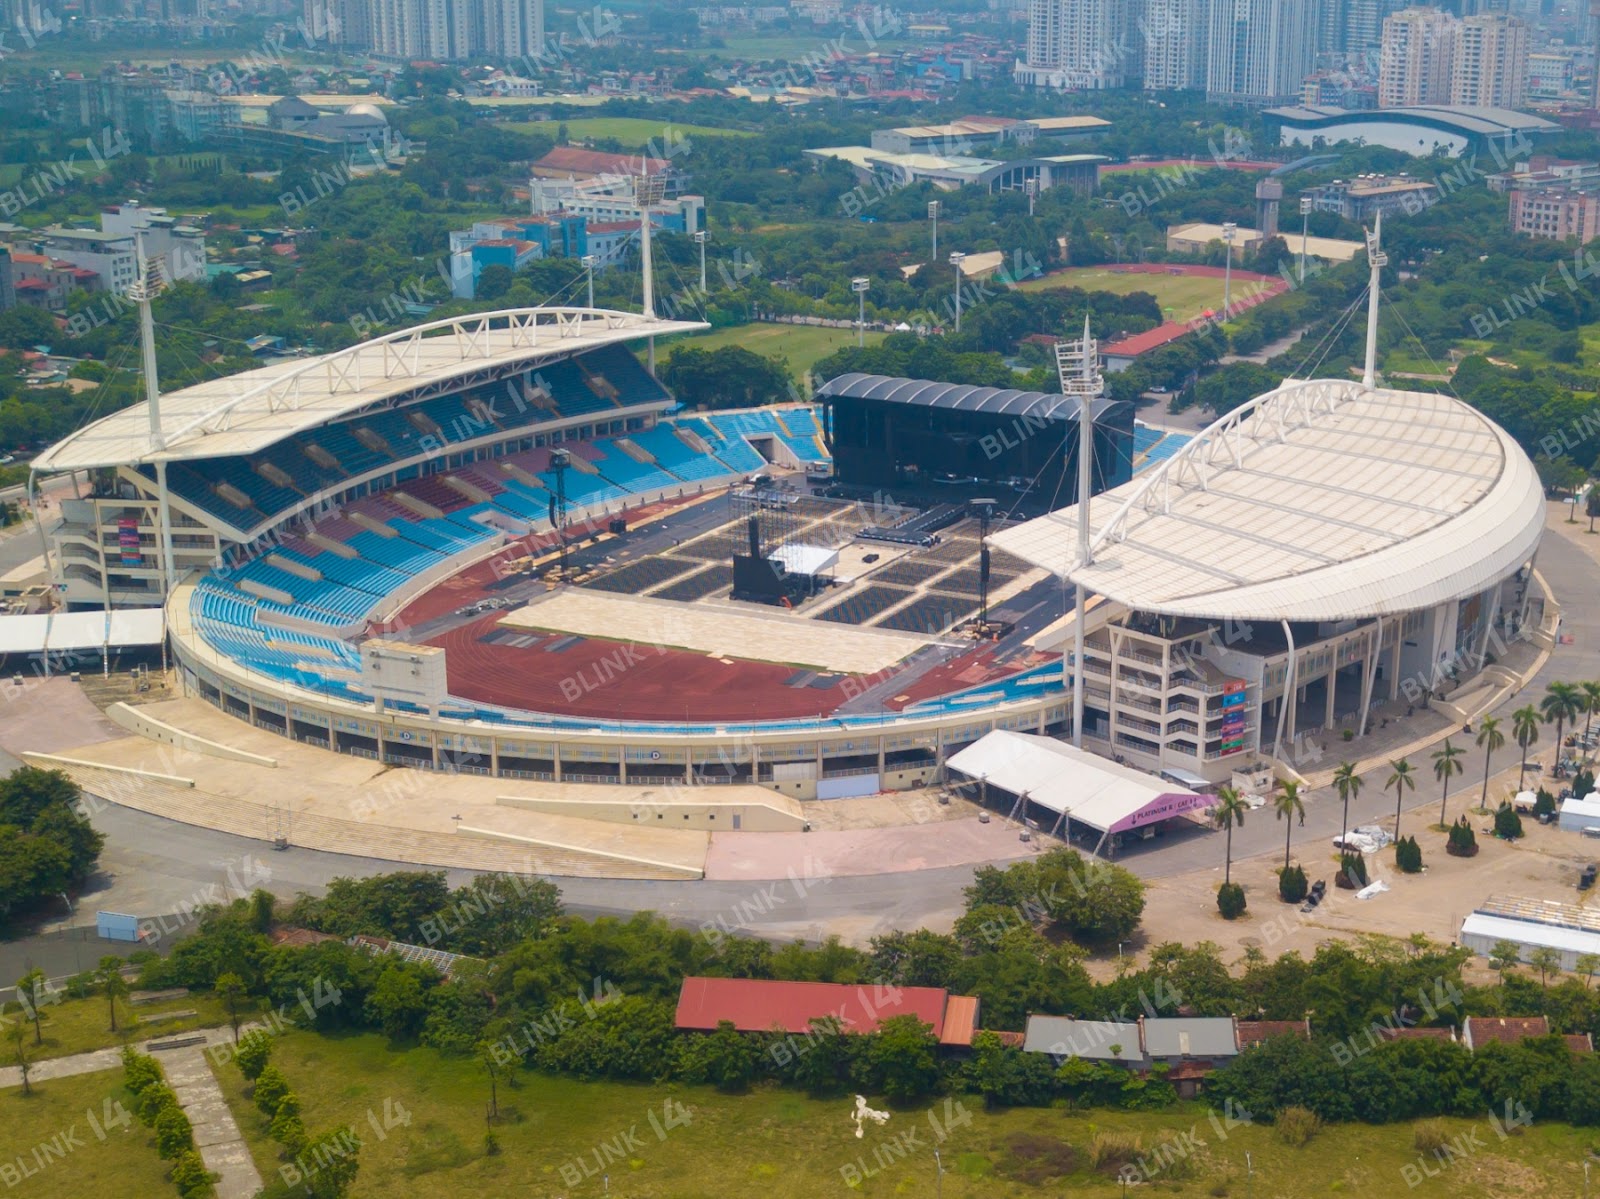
(1587, 877)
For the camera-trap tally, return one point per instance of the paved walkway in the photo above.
(188, 1070)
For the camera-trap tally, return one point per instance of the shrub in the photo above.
(1429, 1137)
(253, 1053)
(190, 1176)
(154, 1102)
(139, 1071)
(1545, 803)
(1292, 885)
(1297, 1125)
(1408, 855)
(173, 1133)
(491, 1144)
(1507, 824)
(1463, 841)
(271, 1087)
(1230, 901)
(1582, 785)
(1110, 1151)
(1352, 871)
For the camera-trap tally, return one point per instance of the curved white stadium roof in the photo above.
(247, 412)
(1318, 501)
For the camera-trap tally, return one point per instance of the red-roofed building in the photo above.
(1253, 1032)
(44, 282)
(1478, 1031)
(1579, 1042)
(762, 1005)
(1417, 1034)
(574, 161)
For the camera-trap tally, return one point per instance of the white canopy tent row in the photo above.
(48, 638)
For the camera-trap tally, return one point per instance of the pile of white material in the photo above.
(864, 1113)
(1377, 887)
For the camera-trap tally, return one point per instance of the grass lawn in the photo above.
(631, 131)
(780, 1145)
(119, 1160)
(802, 346)
(79, 1025)
(1181, 297)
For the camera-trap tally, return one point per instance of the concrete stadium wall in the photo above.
(144, 725)
(673, 814)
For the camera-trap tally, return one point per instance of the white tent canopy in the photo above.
(1080, 786)
(69, 632)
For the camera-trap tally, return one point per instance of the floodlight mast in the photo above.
(1377, 259)
(1078, 365)
(648, 190)
(143, 290)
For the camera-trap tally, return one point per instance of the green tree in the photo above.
(1489, 739)
(1400, 778)
(496, 1066)
(726, 1058)
(1561, 705)
(174, 1133)
(902, 1058)
(1228, 811)
(1008, 1077)
(1588, 965)
(398, 1003)
(339, 1156)
(31, 997)
(1095, 901)
(822, 1059)
(1230, 901)
(115, 987)
(1507, 824)
(253, 1052)
(1525, 728)
(230, 988)
(19, 1050)
(494, 281)
(1288, 806)
(1446, 765)
(270, 1088)
(1589, 692)
(1348, 784)
(1546, 961)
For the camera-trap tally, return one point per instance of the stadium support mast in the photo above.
(1078, 364)
(647, 192)
(143, 290)
(1377, 260)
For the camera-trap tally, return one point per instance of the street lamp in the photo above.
(938, 1164)
(859, 285)
(933, 215)
(700, 240)
(956, 259)
(1228, 231)
(588, 265)
(1306, 204)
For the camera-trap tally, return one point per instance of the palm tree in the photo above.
(1446, 765)
(1525, 728)
(1402, 781)
(1590, 695)
(1490, 738)
(1562, 703)
(1348, 784)
(1289, 805)
(1229, 811)
(109, 975)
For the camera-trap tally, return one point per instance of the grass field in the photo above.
(558, 1137)
(802, 346)
(630, 131)
(79, 1025)
(120, 1159)
(1181, 297)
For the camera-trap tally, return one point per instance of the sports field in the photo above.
(420, 1121)
(1182, 297)
(630, 131)
(801, 346)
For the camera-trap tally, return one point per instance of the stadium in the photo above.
(407, 506)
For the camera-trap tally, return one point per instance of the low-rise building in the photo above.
(181, 246)
(1364, 197)
(110, 256)
(1556, 215)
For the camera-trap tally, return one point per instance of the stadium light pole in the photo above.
(588, 265)
(933, 215)
(859, 285)
(700, 240)
(1228, 231)
(1031, 186)
(1305, 227)
(956, 259)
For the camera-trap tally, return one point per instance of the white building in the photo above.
(109, 255)
(1415, 62)
(1173, 33)
(445, 30)
(1530, 924)
(181, 248)
(1083, 45)
(1259, 50)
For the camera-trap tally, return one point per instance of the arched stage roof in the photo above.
(1318, 501)
(247, 412)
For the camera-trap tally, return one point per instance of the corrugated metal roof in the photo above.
(1526, 932)
(1190, 1036)
(759, 1005)
(960, 397)
(1317, 501)
(960, 1020)
(1062, 1036)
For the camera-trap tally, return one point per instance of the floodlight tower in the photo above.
(859, 285)
(142, 291)
(588, 261)
(1306, 204)
(933, 215)
(1078, 364)
(560, 460)
(1229, 228)
(1377, 259)
(647, 192)
(985, 509)
(700, 240)
(956, 259)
